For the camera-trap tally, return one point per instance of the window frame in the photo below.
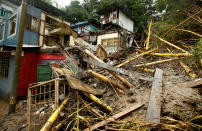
(9, 25)
(4, 74)
(3, 31)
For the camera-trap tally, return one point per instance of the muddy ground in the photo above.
(178, 102)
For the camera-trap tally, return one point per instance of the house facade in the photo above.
(42, 36)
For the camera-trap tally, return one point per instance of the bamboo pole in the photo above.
(149, 70)
(171, 54)
(96, 100)
(48, 125)
(147, 45)
(180, 23)
(154, 63)
(201, 62)
(93, 110)
(123, 80)
(135, 57)
(190, 32)
(105, 79)
(188, 70)
(171, 44)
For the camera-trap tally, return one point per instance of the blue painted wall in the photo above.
(6, 84)
(30, 38)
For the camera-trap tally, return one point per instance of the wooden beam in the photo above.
(191, 84)
(114, 117)
(154, 107)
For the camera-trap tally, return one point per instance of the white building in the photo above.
(113, 14)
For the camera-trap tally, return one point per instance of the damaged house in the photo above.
(116, 30)
(42, 36)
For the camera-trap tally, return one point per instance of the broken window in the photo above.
(4, 67)
(110, 42)
(33, 23)
(2, 28)
(12, 25)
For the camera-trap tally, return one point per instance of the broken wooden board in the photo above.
(191, 84)
(108, 67)
(101, 53)
(79, 85)
(154, 108)
(114, 117)
(82, 43)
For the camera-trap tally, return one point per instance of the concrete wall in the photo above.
(125, 22)
(108, 49)
(106, 36)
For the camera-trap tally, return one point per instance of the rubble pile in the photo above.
(146, 87)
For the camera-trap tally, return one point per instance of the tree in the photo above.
(76, 12)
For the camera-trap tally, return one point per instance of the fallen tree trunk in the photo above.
(154, 63)
(188, 70)
(105, 79)
(48, 125)
(135, 57)
(114, 117)
(96, 100)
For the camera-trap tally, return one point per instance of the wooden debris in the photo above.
(97, 101)
(147, 45)
(105, 79)
(135, 57)
(171, 44)
(48, 125)
(188, 70)
(114, 117)
(171, 54)
(79, 85)
(191, 84)
(123, 80)
(154, 63)
(101, 53)
(154, 108)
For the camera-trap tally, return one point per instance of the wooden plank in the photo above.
(114, 117)
(154, 107)
(191, 84)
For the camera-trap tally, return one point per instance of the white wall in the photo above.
(106, 36)
(125, 22)
(108, 49)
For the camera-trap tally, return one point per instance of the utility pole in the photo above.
(13, 96)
